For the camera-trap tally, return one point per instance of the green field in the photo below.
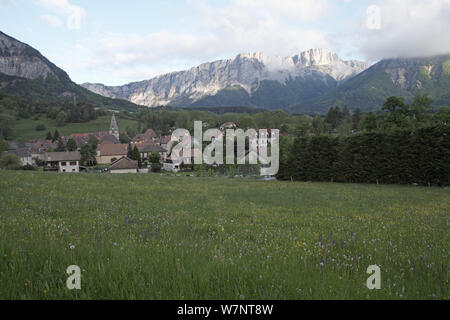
(166, 237)
(25, 129)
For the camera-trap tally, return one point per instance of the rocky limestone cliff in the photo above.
(20, 60)
(246, 70)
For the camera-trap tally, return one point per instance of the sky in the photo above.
(117, 42)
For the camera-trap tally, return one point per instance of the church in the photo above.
(109, 148)
(114, 128)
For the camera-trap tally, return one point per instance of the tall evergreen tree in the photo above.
(130, 151)
(61, 147)
(356, 118)
(56, 136)
(71, 145)
(136, 155)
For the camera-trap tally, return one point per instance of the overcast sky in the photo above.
(116, 42)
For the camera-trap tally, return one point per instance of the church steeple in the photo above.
(114, 128)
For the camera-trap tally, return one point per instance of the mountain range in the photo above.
(308, 82)
(26, 73)
(250, 79)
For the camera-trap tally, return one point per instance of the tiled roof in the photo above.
(98, 135)
(62, 156)
(124, 164)
(113, 149)
(150, 133)
(109, 139)
(166, 139)
(228, 125)
(21, 153)
(152, 148)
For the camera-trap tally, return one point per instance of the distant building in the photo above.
(24, 155)
(109, 139)
(165, 142)
(147, 150)
(124, 165)
(150, 134)
(149, 137)
(228, 125)
(62, 162)
(114, 128)
(109, 153)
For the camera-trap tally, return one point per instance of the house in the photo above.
(147, 150)
(62, 161)
(109, 153)
(145, 138)
(150, 134)
(165, 142)
(138, 139)
(80, 142)
(24, 155)
(124, 165)
(37, 153)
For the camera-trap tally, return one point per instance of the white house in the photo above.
(24, 155)
(64, 162)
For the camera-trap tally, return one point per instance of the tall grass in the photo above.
(158, 237)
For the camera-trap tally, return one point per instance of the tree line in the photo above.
(402, 145)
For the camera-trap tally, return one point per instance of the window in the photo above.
(73, 170)
(73, 163)
(63, 164)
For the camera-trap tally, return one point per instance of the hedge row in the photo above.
(404, 157)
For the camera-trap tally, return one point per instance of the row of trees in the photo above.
(164, 120)
(395, 114)
(400, 157)
(74, 113)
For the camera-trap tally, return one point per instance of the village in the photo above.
(146, 152)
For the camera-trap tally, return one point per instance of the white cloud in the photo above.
(240, 26)
(408, 28)
(303, 10)
(73, 14)
(274, 27)
(51, 20)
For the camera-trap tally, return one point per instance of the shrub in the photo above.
(10, 162)
(40, 127)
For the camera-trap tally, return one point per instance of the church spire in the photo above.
(114, 128)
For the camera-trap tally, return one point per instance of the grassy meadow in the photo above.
(25, 129)
(165, 237)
